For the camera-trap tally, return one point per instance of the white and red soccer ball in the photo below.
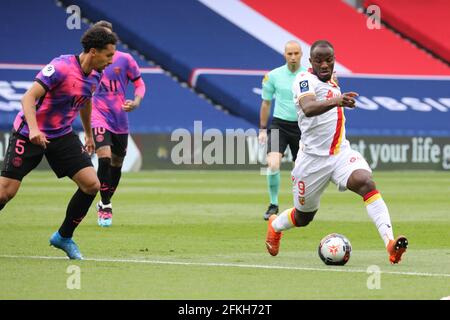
(335, 249)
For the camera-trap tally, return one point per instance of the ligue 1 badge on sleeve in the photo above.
(304, 86)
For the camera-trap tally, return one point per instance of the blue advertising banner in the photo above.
(166, 105)
(394, 106)
(386, 106)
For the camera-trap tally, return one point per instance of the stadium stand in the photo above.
(182, 35)
(220, 59)
(173, 34)
(362, 50)
(217, 56)
(34, 39)
(425, 22)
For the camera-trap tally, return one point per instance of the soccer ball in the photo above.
(335, 249)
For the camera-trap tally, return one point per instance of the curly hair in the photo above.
(104, 24)
(98, 38)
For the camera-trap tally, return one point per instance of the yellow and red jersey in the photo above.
(323, 134)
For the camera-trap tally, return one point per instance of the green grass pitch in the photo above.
(200, 235)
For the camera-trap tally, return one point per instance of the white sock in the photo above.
(378, 211)
(284, 221)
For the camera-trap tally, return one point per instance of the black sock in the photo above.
(76, 210)
(2, 205)
(116, 173)
(104, 175)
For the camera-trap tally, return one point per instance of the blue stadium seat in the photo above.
(37, 38)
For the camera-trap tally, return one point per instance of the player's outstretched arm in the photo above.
(33, 94)
(311, 107)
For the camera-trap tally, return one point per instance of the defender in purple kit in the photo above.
(110, 123)
(61, 90)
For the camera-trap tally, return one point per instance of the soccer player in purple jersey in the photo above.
(61, 90)
(110, 123)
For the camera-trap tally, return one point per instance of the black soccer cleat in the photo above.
(273, 209)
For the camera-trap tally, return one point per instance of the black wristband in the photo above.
(262, 127)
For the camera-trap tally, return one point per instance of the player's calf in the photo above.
(91, 186)
(8, 189)
(302, 219)
(291, 218)
(87, 181)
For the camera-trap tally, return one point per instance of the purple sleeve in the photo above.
(133, 72)
(52, 74)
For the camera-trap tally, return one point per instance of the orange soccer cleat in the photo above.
(273, 237)
(396, 248)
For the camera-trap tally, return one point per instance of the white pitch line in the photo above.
(229, 265)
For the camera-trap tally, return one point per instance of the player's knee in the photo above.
(370, 184)
(302, 219)
(95, 186)
(91, 187)
(361, 183)
(273, 161)
(365, 184)
(273, 165)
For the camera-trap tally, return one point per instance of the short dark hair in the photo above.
(321, 43)
(97, 38)
(104, 24)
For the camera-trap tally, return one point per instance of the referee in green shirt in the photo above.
(277, 84)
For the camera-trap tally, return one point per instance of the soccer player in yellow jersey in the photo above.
(326, 155)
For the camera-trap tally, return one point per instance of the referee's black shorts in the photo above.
(288, 134)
